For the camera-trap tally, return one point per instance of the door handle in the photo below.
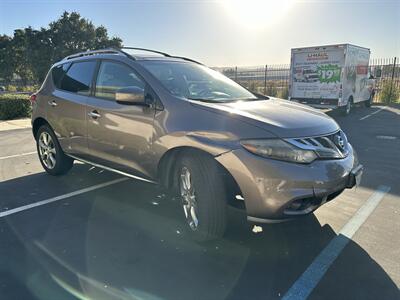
(52, 103)
(94, 114)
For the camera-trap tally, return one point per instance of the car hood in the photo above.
(280, 117)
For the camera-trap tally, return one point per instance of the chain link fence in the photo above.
(273, 79)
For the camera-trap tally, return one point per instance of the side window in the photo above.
(78, 78)
(58, 73)
(114, 76)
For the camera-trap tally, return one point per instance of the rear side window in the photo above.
(79, 77)
(58, 73)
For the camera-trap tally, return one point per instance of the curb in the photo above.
(15, 124)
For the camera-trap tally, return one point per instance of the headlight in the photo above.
(278, 149)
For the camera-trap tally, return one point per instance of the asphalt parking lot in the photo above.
(90, 235)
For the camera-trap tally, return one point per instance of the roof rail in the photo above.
(121, 52)
(158, 52)
(188, 59)
(147, 50)
(94, 52)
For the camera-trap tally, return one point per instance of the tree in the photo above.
(6, 68)
(71, 33)
(19, 56)
(30, 53)
(39, 51)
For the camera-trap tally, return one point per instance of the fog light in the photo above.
(295, 205)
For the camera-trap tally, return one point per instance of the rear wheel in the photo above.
(203, 196)
(346, 110)
(368, 103)
(51, 156)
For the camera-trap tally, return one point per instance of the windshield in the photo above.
(196, 82)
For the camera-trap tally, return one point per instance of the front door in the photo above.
(119, 135)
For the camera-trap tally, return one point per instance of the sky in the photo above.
(226, 33)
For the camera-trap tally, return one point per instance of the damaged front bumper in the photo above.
(276, 191)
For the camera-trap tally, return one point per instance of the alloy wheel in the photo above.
(189, 202)
(47, 150)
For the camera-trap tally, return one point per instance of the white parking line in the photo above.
(305, 284)
(61, 197)
(17, 155)
(373, 113)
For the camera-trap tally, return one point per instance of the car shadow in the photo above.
(129, 241)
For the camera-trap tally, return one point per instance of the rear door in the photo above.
(316, 74)
(119, 135)
(66, 111)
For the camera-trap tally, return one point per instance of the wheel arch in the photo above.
(167, 168)
(37, 124)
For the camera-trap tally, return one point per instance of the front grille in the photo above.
(327, 146)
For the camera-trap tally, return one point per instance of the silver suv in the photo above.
(173, 121)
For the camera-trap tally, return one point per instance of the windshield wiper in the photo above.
(254, 99)
(259, 97)
(209, 100)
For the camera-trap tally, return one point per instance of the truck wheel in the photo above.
(51, 156)
(368, 103)
(347, 109)
(203, 196)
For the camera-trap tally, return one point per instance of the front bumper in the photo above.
(275, 190)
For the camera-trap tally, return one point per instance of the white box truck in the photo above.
(334, 76)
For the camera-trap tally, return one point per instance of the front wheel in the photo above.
(203, 196)
(51, 156)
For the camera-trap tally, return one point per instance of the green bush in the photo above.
(283, 93)
(389, 92)
(271, 89)
(14, 106)
(11, 88)
(22, 88)
(253, 87)
(28, 88)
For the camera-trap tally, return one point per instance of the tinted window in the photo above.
(58, 73)
(114, 76)
(78, 78)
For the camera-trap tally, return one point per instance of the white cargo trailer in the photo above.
(334, 76)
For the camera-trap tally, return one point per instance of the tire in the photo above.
(208, 193)
(51, 156)
(346, 110)
(368, 103)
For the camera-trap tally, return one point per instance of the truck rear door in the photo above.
(320, 79)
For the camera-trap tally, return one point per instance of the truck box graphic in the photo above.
(329, 75)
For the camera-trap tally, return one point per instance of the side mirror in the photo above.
(130, 96)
